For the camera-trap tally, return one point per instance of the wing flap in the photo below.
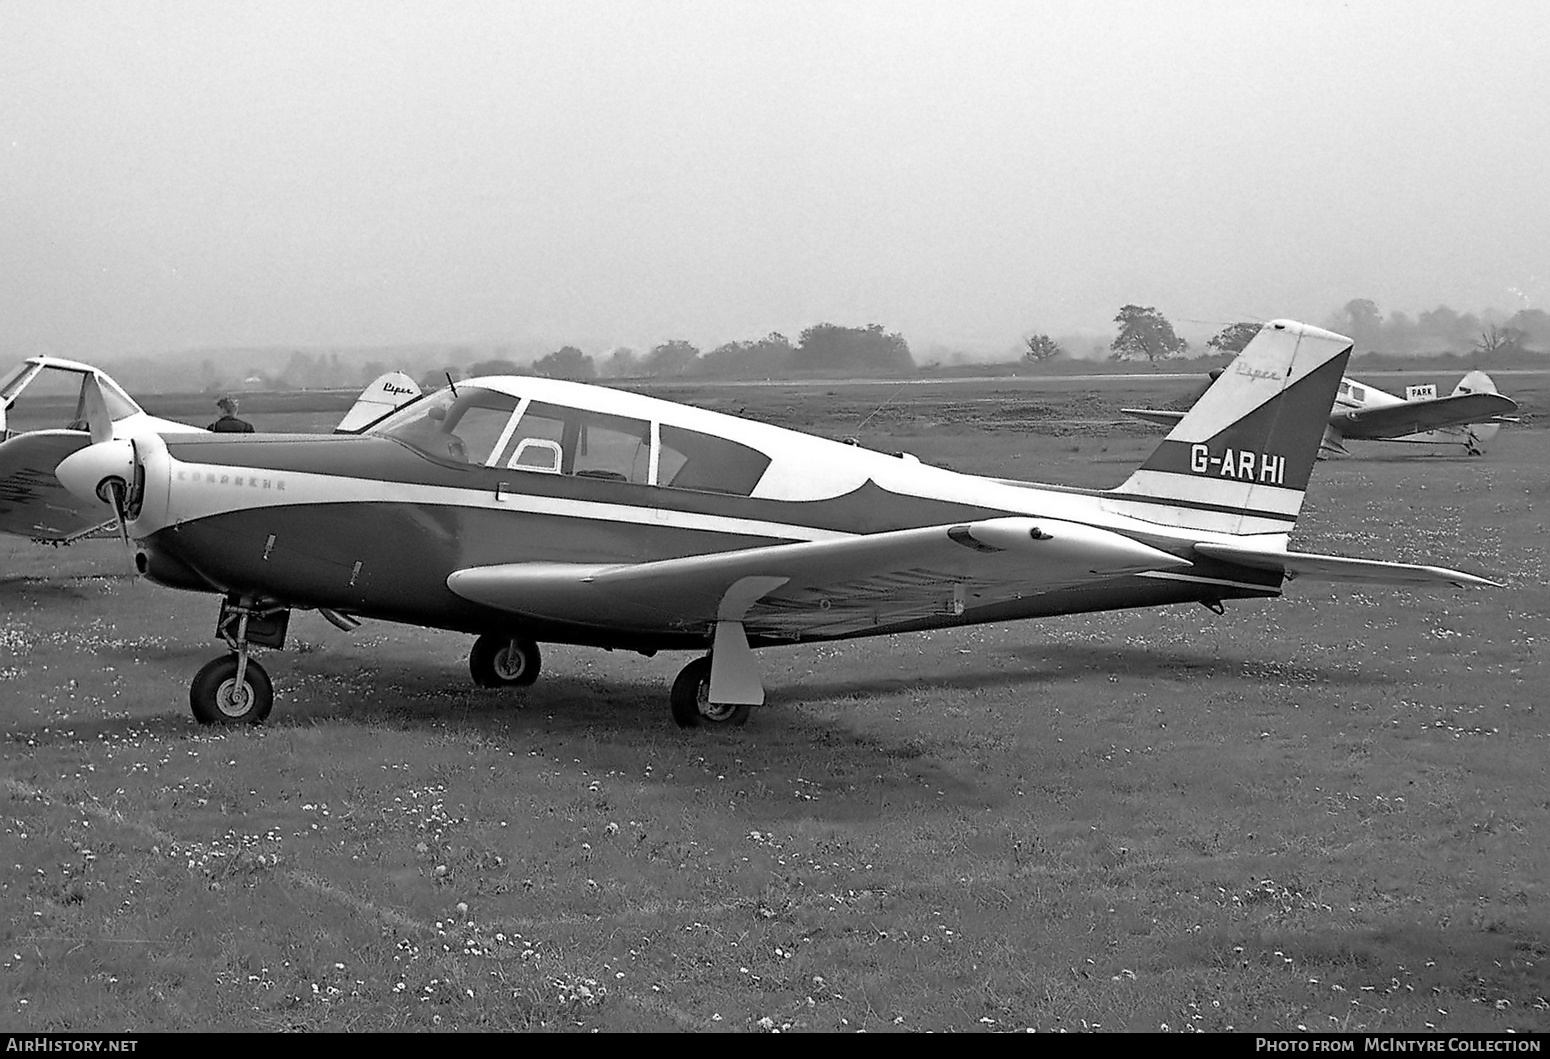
(853, 582)
(1415, 417)
(1340, 568)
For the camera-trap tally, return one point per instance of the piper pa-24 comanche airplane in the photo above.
(1470, 416)
(526, 510)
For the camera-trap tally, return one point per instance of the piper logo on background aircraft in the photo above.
(1241, 464)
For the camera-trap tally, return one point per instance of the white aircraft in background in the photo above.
(43, 420)
(1470, 416)
(46, 406)
(528, 510)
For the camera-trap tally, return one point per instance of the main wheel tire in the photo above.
(504, 661)
(690, 700)
(216, 698)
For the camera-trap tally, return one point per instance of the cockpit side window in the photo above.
(119, 405)
(578, 442)
(12, 382)
(52, 398)
(538, 443)
(613, 447)
(479, 418)
(692, 460)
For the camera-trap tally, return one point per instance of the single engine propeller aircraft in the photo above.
(1470, 416)
(52, 422)
(523, 510)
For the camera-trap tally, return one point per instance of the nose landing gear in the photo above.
(234, 689)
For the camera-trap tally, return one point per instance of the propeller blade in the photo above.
(116, 491)
(97, 418)
(118, 494)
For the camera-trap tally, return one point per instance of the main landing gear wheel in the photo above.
(217, 698)
(504, 661)
(690, 700)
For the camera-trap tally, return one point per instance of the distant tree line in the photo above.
(1441, 330)
(1142, 334)
(823, 349)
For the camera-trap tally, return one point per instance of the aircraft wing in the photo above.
(33, 503)
(834, 586)
(1415, 417)
(1339, 568)
(1154, 415)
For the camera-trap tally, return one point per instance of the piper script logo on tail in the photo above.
(1239, 464)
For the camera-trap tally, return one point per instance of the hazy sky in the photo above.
(177, 175)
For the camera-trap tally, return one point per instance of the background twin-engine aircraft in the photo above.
(1470, 416)
(44, 418)
(528, 510)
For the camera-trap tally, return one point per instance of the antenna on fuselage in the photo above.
(880, 407)
(451, 384)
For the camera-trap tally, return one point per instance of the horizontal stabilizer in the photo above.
(1154, 415)
(1339, 568)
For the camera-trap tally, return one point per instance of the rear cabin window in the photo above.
(691, 460)
(560, 440)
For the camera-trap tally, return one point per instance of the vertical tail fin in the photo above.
(1238, 461)
(1476, 381)
(386, 393)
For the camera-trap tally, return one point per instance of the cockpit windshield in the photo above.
(462, 425)
(52, 396)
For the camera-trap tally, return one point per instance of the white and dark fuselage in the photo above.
(528, 510)
(537, 471)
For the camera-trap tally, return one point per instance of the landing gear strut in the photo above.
(234, 689)
(690, 700)
(504, 661)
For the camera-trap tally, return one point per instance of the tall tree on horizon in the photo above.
(1145, 333)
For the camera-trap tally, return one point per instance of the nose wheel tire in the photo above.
(217, 698)
(504, 661)
(690, 700)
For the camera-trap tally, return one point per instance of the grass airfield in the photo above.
(1324, 812)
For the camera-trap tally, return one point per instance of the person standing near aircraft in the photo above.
(229, 423)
